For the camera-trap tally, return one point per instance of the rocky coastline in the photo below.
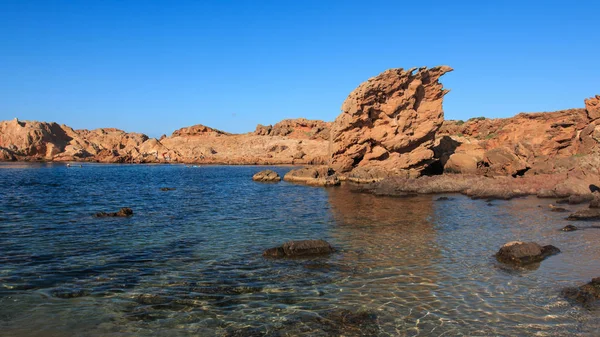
(390, 139)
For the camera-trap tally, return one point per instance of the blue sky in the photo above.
(155, 66)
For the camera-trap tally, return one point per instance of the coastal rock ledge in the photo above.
(266, 176)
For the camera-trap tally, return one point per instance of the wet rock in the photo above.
(489, 204)
(557, 209)
(123, 212)
(569, 228)
(586, 295)
(300, 248)
(522, 253)
(316, 176)
(580, 199)
(585, 214)
(164, 189)
(266, 176)
(444, 199)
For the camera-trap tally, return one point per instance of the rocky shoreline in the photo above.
(391, 138)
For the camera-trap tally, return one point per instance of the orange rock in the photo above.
(389, 122)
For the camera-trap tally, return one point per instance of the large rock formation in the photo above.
(388, 123)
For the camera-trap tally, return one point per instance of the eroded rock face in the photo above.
(389, 122)
(266, 176)
(592, 105)
(299, 128)
(300, 248)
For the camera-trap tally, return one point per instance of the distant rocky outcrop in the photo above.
(388, 124)
(299, 128)
(197, 130)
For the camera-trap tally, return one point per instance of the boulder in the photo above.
(123, 212)
(461, 163)
(585, 214)
(389, 122)
(266, 176)
(300, 249)
(569, 228)
(316, 176)
(587, 294)
(522, 253)
(502, 161)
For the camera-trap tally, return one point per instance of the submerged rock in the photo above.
(557, 209)
(585, 214)
(344, 322)
(266, 176)
(164, 189)
(569, 228)
(300, 248)
(123, 212)
(522, 253)
(587, 294)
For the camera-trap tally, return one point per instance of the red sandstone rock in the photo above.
(592, 105)
(299, 128)
(389, 122)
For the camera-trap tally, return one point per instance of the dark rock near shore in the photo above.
(557, 209)
(585, 214)
(123, 212)
(569, 228)
(587, 294)
(522, 253)
(266, 176)
(444, 199)
(300, 248)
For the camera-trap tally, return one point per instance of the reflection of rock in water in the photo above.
(393, 245)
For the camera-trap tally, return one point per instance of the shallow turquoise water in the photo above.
(189, 261)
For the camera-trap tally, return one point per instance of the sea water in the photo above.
(189, 263)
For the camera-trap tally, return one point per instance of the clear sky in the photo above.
(155, 66)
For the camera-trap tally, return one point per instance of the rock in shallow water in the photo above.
(300, 248)
(522, 253)
(569, 228)
(585, 214)
(316, 176)
(266, 176)
(123, 212)
(587, 294)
